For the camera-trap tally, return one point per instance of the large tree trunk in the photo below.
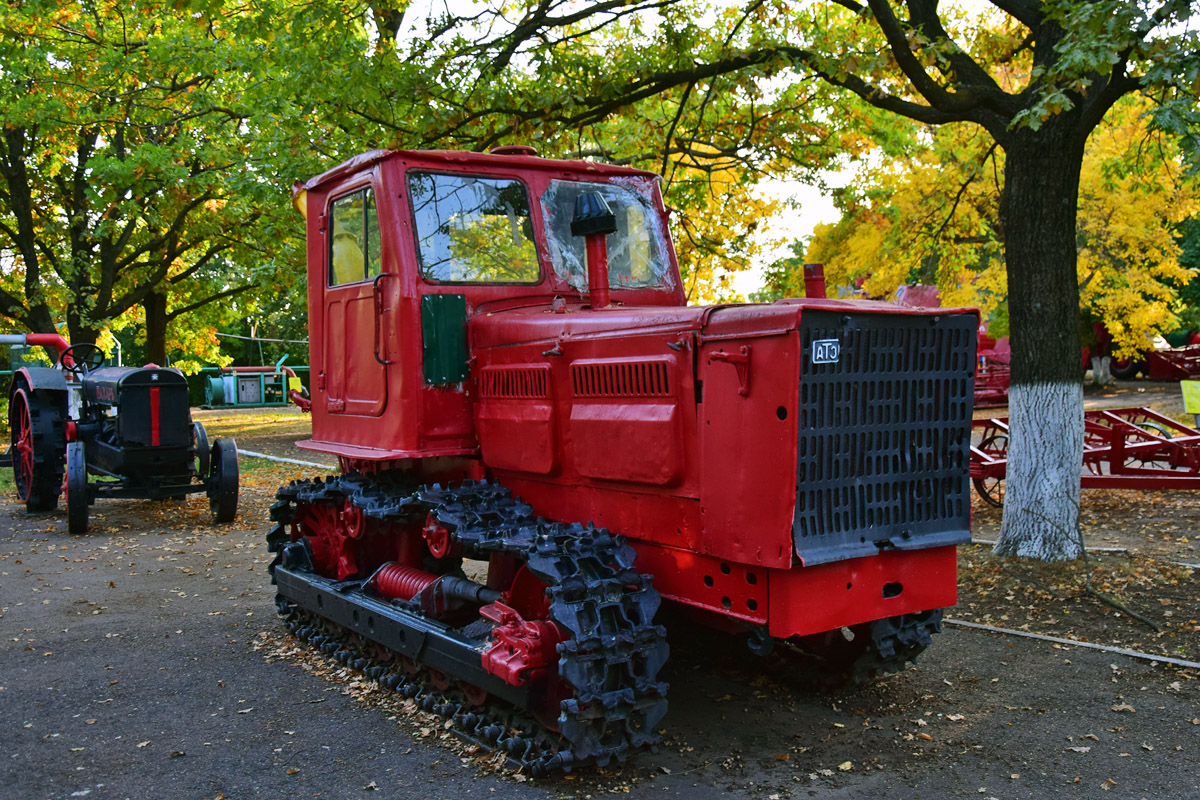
(1045, 452)
(155, 305)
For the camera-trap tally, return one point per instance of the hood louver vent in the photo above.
(621, 379)
(515, 383)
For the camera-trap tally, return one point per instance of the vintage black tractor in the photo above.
(130, 427)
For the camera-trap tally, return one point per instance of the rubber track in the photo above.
(614, 650)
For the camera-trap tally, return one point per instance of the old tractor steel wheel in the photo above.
(203, 449)
(223, 480)
(37, 456)
(77, 489)
(991, 488)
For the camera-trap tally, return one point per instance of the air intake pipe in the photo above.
(814, 280)
(594, 220)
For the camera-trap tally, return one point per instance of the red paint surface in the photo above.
(154, 416)
(828, 596)
(672, 425)
(597, 269)
(521, 650)
(398, 582)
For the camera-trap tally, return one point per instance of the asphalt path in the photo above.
(134, 664)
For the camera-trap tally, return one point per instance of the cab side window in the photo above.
(354, 241)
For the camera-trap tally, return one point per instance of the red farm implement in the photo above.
(1123, 448)
(1167, 364)
(992, 377)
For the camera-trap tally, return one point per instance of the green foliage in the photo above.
(156, 147)
(934, 217)
(141, 156)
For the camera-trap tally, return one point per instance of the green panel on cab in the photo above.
(444, 335)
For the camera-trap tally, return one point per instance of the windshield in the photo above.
(473, 230)
(637, 253)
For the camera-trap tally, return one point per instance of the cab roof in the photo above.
(504, 158)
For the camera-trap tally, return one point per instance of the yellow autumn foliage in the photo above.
(715, 234)
(1132, 192)
(933, 217)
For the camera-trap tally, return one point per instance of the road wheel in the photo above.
(77, 489)
(1125, 369)
(203, 450)
(223, 480)
(37, 448)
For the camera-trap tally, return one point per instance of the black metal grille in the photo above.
(884, 432)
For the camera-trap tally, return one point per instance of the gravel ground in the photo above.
(144, 660)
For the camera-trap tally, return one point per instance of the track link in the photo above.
(609, 660)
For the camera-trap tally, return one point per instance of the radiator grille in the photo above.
(620, 379)
(514, 383)
(884, 431)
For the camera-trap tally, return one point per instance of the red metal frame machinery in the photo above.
(786, 471)
(1123, 448)
(993, 377)
(1168, 364)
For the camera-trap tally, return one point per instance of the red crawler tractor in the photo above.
(539, 440)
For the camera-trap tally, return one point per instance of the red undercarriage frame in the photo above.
(524, 641)
(788, 602)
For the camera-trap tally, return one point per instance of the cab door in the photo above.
(354, 311)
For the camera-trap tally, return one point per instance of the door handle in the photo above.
(376, 293)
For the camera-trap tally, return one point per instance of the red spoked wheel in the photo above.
(37, 454)
(991, 488)
(335, 536)
(1158, 457)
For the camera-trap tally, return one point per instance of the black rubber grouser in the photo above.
(130, 428)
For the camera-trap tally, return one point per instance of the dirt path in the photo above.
(143, 661)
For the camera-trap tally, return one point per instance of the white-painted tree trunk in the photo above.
(1102, 371)
(1045, 457)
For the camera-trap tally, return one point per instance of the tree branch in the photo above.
(962, 190)
(897, 41)
(201, 303)
(1027, 12)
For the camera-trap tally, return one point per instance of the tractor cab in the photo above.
(404, 247)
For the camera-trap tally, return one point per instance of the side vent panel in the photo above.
(515, 419)
(514, 383)
(625, 421)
